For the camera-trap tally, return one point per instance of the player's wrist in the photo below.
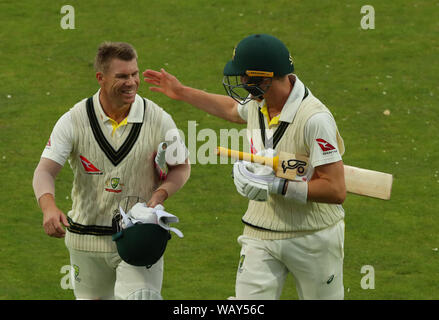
(162, 194)
(47, 202)
(278, 186)
(184, 93)
(297, 191)
(158, 197)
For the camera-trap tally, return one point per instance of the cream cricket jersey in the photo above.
(59, 145)
(108, 167)
(305, 126)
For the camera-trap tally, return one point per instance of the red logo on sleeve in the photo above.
(89, 167)
(252, 147)
(324, 145)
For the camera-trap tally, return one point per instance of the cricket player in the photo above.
(292, 227)
(109, 140)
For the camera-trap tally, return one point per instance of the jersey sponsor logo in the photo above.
(48, 144)
(324, 145)
(89, 167)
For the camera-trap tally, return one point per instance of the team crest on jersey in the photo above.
(114, 182)
(89, 167)
(76, 272)
(241, 263)
(114, 185)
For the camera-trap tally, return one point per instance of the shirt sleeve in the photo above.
(243, 111)
(176, 153)
(321, 139)
(60, 143)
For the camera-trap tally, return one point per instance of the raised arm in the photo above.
(221, 106)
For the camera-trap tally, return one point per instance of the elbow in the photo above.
(340, 198)
(340, 195)
(187, 166)
(238, 120)
(188, 170)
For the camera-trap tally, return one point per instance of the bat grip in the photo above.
(234, 154)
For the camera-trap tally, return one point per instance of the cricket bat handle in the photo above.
(239, 155)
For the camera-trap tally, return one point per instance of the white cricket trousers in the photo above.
(102, 275)
(315, 261)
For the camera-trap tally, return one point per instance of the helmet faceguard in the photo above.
(249, 87)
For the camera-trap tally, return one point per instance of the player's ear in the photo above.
(99, 77)
(266, 83)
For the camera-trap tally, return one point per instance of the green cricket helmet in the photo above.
(138, 244)
(255, 59)
(142, 244)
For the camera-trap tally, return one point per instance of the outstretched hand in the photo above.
(164, 82)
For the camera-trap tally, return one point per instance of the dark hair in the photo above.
(108, 51)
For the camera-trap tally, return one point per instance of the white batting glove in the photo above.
(269, 153)
(296, 190)
(255, 181)
(141, 213)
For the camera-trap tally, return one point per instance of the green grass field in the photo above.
(357, 73)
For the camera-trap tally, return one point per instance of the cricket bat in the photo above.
(160, 161)
(359, 181)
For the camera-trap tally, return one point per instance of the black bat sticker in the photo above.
(294, 164)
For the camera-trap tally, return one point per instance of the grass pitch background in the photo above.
(357, 73)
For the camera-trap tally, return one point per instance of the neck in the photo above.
(278, 94)
(113, 110)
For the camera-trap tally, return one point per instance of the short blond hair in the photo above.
(108, 51)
